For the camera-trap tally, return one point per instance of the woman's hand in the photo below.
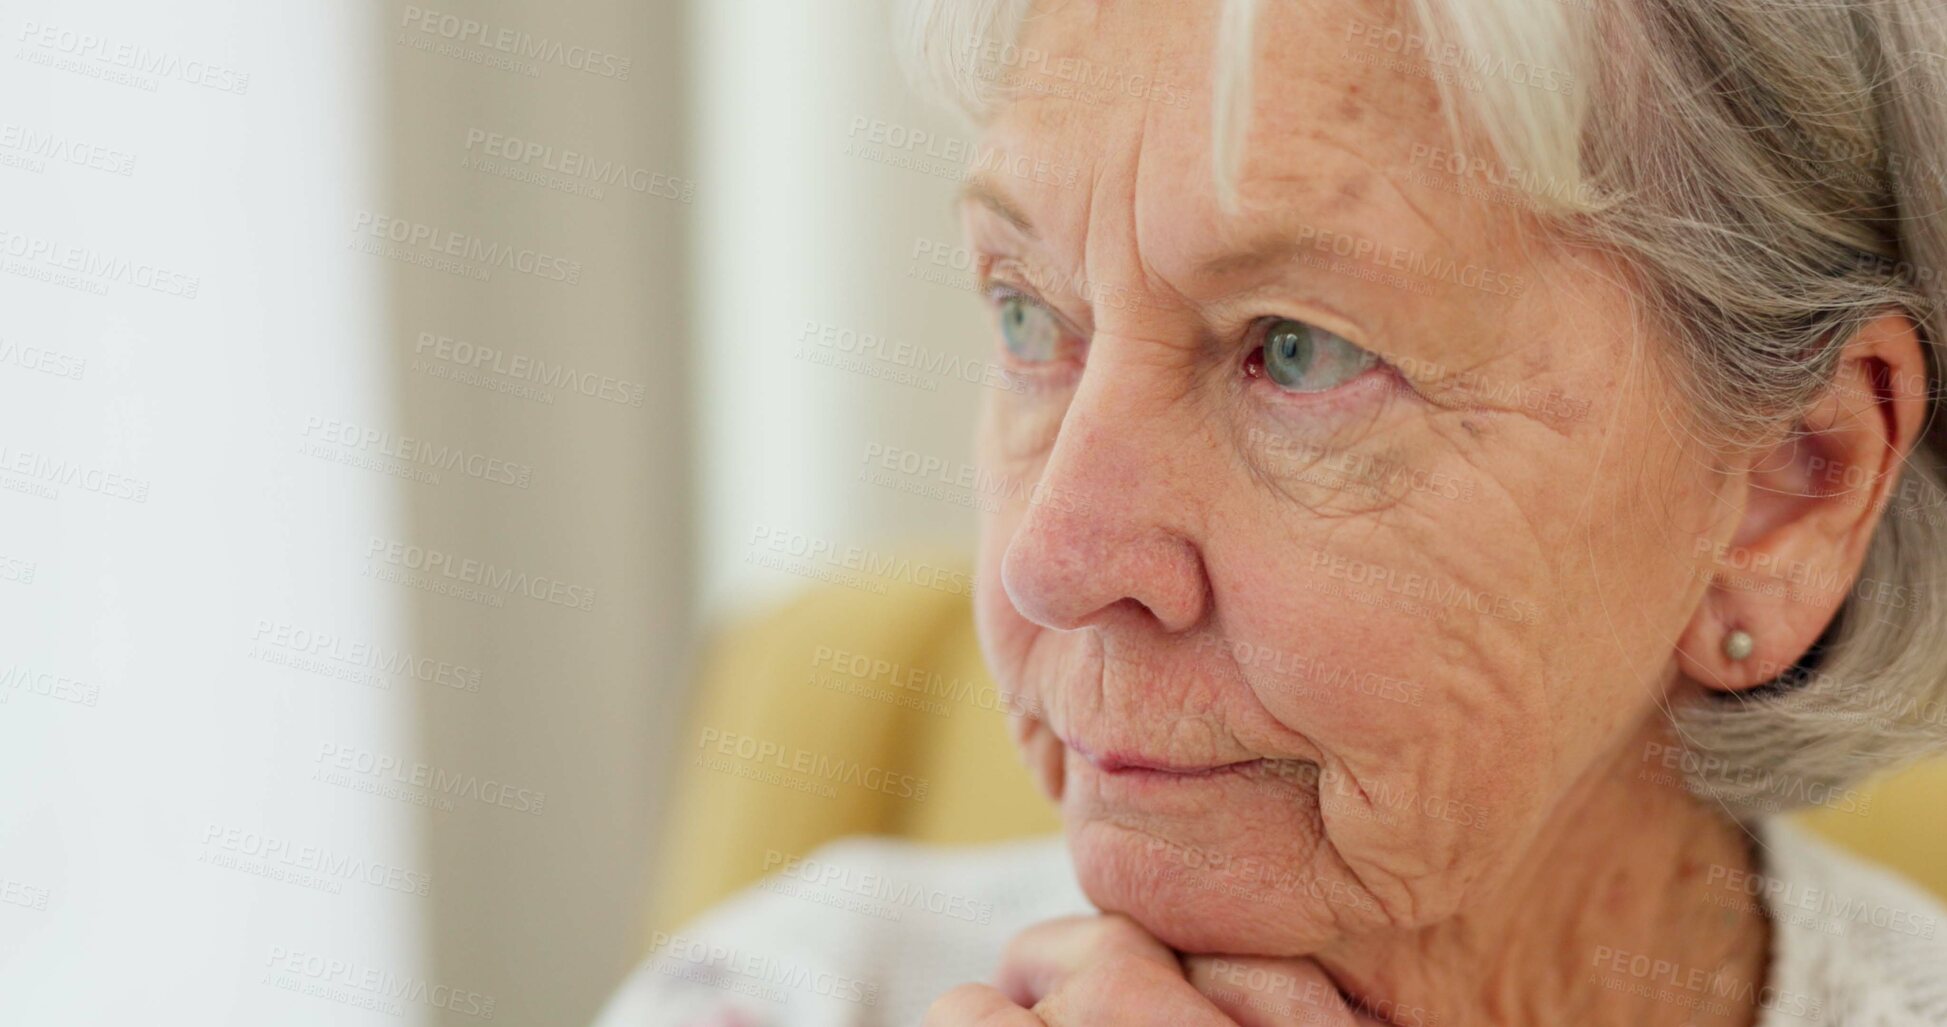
(1094, 970)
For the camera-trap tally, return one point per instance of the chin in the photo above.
(1202, 881)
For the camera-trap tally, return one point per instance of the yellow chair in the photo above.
(846, 712)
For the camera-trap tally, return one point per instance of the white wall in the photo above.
(215, 810)
(169, 775)
(807, 220)
(149, 735)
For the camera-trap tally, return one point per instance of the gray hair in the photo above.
(1775, 181)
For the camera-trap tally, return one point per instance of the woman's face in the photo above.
(1360, 528)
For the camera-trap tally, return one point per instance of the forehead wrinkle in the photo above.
(1338, 187)
(1156, 278)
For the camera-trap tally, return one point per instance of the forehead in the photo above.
(1114, 100)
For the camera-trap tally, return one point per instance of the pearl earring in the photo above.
(1738, 645)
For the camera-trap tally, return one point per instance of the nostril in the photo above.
(1132, 609)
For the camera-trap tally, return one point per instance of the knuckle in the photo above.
(974, 1005)
(1119, 938)
(1116, 978)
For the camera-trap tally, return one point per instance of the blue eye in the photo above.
(1030, 330)
(1305, 358)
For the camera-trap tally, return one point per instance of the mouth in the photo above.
(1126, 764)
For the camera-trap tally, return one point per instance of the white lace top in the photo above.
(867, 932)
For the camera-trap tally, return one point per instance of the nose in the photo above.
(1109, 533)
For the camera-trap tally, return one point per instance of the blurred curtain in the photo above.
(344, 487)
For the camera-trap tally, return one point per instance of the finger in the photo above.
(1037, 959)
(977, 1005)
(1260, 992)
(1128, 991)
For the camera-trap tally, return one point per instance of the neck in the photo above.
(1616, 914)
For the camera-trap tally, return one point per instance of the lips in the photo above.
(1127, 763)
(1138, 765)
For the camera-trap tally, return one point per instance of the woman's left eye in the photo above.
(1029, 329)
(1302, 357)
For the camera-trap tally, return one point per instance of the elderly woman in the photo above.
(1483, 475)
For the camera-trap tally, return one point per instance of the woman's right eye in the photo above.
(1030, 330)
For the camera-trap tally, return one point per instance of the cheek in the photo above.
(1423, 683)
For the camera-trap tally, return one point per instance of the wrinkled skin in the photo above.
(1411, 691)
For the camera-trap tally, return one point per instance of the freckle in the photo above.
(1350, 109)
(1352, 189)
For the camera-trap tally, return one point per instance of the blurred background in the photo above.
(390, 394)
(420, 425)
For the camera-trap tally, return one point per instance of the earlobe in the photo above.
(1808, 507)
(1730, 655)
(1738, 645)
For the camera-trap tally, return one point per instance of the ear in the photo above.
(1809, 505)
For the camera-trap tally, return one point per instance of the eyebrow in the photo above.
(980, 189)
(1261, 252)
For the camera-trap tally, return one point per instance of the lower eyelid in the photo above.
(1368, 385)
